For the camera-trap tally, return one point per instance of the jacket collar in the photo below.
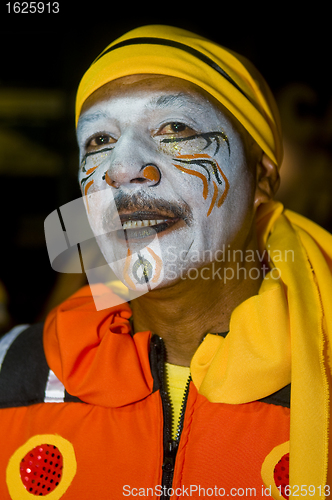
(94, 354)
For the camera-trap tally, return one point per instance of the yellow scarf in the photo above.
(279, 336)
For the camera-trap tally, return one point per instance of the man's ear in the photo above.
(267, 180)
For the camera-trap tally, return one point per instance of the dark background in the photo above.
(43, 57)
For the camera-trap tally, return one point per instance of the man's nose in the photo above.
(148, 174)
(132, 166)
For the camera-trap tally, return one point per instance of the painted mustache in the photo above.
(139, 207)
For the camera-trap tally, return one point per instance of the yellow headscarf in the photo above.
(228, 77)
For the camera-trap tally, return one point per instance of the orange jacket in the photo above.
(86, 415)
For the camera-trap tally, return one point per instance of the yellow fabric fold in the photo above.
(257, 348)
(292, 313)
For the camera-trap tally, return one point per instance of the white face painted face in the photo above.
(165, 179)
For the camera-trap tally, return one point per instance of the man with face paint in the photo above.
(186, 390)
(179, 171)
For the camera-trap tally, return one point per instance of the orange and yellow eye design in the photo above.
(207, 163)
(87, 182)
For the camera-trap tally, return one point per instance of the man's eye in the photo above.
(99, 140)
(178, 128)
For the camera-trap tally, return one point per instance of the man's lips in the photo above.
(137, 225)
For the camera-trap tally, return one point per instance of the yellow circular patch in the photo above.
(269, 465)
(44, 466)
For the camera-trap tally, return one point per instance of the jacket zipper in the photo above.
(170, 445)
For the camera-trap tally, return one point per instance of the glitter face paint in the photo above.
(175, 167)
(205, 161)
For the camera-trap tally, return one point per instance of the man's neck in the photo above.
(185, 312)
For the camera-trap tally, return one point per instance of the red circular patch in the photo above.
(41, 469)
(281, 474)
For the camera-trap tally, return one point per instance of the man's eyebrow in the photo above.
(179, 100)
(87, 118)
